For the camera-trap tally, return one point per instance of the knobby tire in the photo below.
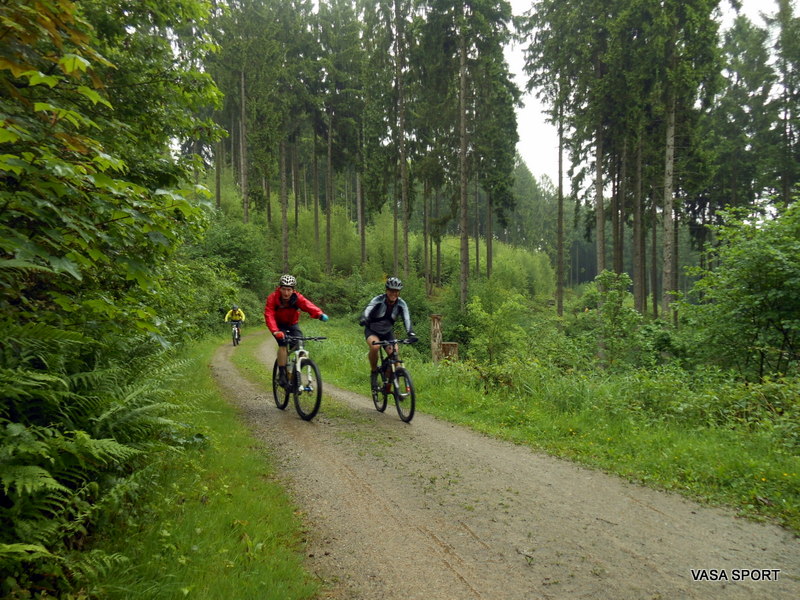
(307, 402)
(379, 396)
(281, 395)
(404, 395)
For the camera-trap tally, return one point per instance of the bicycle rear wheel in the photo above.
(404, 395)
(307, 389)
(379, 396)
(281, 395)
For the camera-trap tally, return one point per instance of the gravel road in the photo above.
(433, 511)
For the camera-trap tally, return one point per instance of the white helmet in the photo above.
(393, 283)
(288, 281)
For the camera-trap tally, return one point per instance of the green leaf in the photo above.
(64, 265)
(12, 162)
(22, 265)
(43, 106)
(28, 479)
(38, 78)
(70, 63)
(23, 551)
(6, 135)
(93, 96)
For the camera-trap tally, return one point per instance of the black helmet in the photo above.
(235, 307)
(393, 283)
(288, 281)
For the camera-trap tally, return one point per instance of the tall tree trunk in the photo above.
(362, 230)
(243, 150)
(599, 209)
(218, 161)
(489, 235)
(477, 231)
(304, 185)
(787, 161)
(675, 271)
(284, 207)
(267, 192)
(234, 154)
(329, 197)
(654, 257)
(315, 189)
(638, 233)
(462, 161)
(401, 125)
(669, 239)
(426, 265)
(560, 217)
(295, 186)
(438, 238)
(619, 213)
(395, 237)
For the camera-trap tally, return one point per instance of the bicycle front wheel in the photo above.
(307, 389)
(404, 395)
(235, 338)
(281, 395)
(379, 395)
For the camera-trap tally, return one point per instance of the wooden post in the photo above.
(450, 350)
(436, 338)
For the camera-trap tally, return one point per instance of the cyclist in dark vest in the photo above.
(378, 320)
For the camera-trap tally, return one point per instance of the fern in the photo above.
(28, 480)
(77, 423)
(20, 552)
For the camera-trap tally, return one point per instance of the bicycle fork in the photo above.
(298, 373)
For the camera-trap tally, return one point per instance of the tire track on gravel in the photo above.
(437, 512)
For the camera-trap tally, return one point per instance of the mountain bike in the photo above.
(303, 380)
(395, 380)
(236, 332)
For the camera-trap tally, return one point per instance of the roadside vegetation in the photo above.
(213, 520)
(118, 459)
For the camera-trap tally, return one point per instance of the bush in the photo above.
(746, 313)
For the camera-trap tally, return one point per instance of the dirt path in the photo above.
(437, 512)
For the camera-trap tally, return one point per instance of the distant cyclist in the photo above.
(281, 314)
(378, 320)
(235, 315)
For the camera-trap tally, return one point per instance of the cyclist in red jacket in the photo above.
(281, 314)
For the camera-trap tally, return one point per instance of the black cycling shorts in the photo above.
(292, 330)
(381, 336)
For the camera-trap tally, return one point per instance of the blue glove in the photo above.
(323, 318)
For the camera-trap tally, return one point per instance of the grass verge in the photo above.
(215, 521)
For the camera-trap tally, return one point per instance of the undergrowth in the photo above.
(217, 522)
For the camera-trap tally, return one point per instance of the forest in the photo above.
(161, 160)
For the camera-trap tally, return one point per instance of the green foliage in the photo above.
(69, 440)
(745, 314)
(212, 521)
(245, 249)
(91, 289)
(530, 273)
(498, 335)
(81, 230)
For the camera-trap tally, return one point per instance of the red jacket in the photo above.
(278, 316)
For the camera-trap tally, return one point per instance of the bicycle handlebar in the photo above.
(393, 342)
(292, 338)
